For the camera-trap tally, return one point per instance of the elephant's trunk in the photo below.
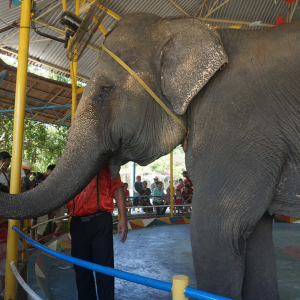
(81, 161)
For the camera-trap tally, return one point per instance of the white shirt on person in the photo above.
(3, 179)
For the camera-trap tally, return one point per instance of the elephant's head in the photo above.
(116, 118)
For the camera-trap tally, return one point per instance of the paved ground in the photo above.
(164, 251)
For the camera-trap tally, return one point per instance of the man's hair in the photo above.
(125, 183)
(187, 186)
(51, 167)
(180, 179)
(144, 181)
(177, 190)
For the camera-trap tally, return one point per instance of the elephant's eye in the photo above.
(105, 89)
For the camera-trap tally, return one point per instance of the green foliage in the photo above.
(43, 144)
(162, 165)
(178, 150)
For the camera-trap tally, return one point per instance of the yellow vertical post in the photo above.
(12, 240)
(180, 282)
(73, 72)
(73, 66)
(171, 184)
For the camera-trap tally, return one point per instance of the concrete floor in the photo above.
(164, 251)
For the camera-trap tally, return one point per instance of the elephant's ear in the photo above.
(191, 56)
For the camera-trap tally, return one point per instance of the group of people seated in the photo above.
(29, 180)
(143, 194)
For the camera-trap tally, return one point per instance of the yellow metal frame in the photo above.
(12, 240)
(109, 12)
(80, 90)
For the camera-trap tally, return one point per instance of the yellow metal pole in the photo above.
(180, 282)
(12, 240)
(74, 71)
(73, 65)
(171, 184)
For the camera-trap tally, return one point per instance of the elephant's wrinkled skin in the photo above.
(242, 149)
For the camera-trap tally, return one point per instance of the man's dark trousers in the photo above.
(93, 241)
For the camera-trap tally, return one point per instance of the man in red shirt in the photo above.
(91, 232)
(187, 179)
(187, 196)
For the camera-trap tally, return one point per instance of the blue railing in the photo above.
(158, 284)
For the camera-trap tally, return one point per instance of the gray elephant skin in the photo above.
(242, 148)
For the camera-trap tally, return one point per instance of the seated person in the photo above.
(154, 184)
(26, 182)
(146, 201)
(167, 200)
(180, 184)
(158, 192)
(59, 213)
(187, 180)
(178, 201)
(169, 186)
(128, 202)
(38, 232)
(187, 196)
(137, 187)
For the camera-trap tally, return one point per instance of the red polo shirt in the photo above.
(188, 181)
(85, 203)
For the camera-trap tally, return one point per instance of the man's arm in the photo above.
(120, 200)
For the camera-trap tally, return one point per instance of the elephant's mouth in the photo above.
(114, 169)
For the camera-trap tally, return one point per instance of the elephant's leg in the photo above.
(218, 253)
(260, 263)
(227, 206)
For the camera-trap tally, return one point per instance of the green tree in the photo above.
(43, 143)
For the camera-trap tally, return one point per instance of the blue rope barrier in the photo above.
(196, 294)
(158, 284)
(163, 196)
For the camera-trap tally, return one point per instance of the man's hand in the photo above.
(122, 226)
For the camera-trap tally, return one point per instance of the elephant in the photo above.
(237, 94)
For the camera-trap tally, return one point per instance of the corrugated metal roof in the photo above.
(51, 54)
